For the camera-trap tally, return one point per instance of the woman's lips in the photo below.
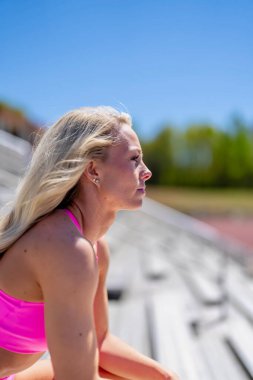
(141, 190)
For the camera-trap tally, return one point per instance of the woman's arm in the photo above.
(119, 358)
(68, 275)
(115, 356)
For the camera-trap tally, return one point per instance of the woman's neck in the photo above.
(93, 218)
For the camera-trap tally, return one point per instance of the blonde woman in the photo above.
(54, 258)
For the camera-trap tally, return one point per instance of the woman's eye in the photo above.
(135, 158)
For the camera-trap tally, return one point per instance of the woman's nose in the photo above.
(146, 173)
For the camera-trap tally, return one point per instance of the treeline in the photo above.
(14, 120)
(202, 156)
(198, 156)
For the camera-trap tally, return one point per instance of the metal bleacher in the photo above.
(186, 294)
(178, 291)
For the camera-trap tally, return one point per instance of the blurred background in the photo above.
(184, 71)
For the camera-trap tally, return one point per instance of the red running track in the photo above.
(240, 229)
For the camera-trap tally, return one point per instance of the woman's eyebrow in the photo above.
(136, 150)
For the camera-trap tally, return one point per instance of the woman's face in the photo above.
(123, 174)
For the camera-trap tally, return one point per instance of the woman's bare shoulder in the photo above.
(57, 248)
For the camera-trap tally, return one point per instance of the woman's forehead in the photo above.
(127, 142)
(128, 139)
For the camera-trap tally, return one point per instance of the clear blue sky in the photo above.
(164, 60)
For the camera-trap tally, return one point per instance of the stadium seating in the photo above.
(178, 291)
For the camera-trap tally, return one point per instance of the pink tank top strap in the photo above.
(75, 221)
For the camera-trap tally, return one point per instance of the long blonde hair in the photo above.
(57, 165)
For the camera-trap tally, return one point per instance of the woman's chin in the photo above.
(134, 205)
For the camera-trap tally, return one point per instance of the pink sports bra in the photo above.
(22, 327)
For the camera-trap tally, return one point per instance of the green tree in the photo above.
(158, 156)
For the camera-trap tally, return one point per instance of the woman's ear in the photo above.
(91, 171)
